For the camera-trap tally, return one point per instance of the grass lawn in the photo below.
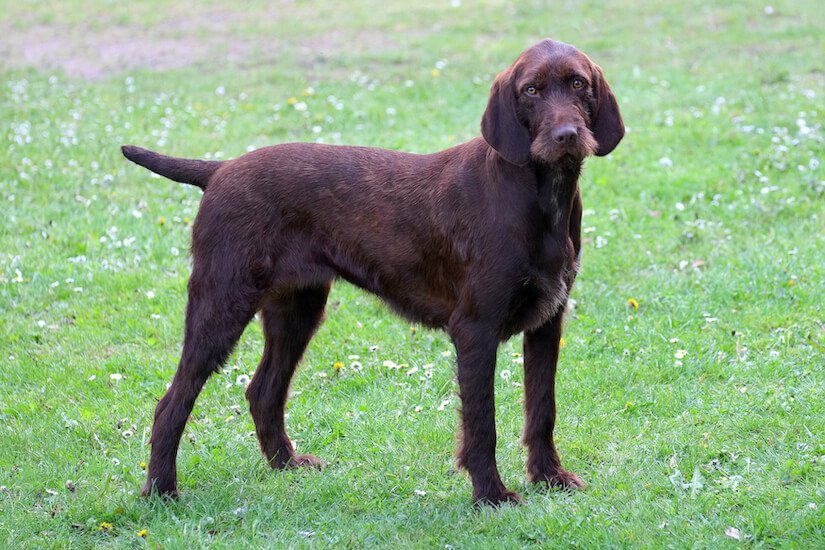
(697, 419)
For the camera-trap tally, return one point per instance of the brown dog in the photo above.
(481, 240)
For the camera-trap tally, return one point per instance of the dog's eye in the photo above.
(578, 83)
(530, 90)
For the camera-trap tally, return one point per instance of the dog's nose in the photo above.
(565, 135)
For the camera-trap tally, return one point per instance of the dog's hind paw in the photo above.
(560, 479)
(163, 489)
(497, 499)
(306, 461)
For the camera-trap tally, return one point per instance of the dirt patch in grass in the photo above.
(105, 49)
(184, 39)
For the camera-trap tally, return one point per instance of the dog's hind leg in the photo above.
(289, 320)
(219, 308)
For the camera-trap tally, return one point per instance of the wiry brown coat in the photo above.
(481, 240)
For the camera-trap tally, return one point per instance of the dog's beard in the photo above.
(545, 150)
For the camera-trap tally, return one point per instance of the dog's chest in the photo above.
(553, 264)
(544, 287)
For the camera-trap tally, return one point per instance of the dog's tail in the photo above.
(193, 172)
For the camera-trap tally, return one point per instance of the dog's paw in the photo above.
(306, 461)
(560, 479)
(162, 489)
(497, 499)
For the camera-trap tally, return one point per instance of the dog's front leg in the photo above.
(541, 353)
(476, 352)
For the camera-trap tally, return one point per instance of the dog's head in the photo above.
(551, 103)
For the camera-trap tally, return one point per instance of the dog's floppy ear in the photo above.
(606, 123)
(500, 126)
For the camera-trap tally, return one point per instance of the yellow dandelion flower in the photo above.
(292, 100)
(161, 220)
(106, 526)
(143, 533)
(562, 343)
(338, 365)
(633, 302)
(791, 282)
(436, 73)
(142, 465)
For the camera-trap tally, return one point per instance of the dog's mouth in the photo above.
(549, 148)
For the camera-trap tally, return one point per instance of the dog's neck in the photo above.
(557, 185)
